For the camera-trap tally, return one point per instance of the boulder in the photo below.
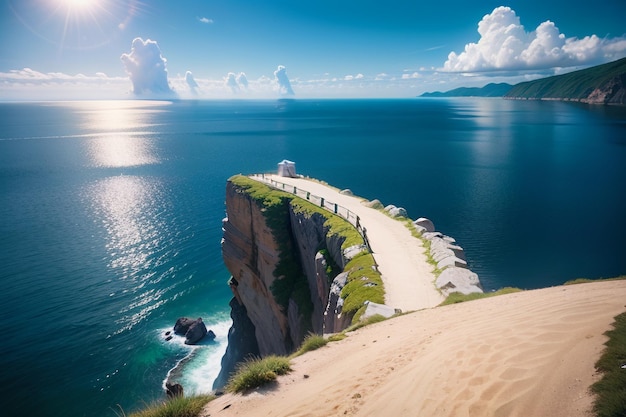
(461, 280)
(375, 204)
(396, 211)
(182, 325)
(193, 330)
(347, 191)
(173, 390)
(373, 309)
(425, 223)
(196, 332)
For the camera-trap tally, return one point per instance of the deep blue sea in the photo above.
(110, 218)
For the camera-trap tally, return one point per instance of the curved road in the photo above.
(407, 276)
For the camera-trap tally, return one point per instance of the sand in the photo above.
(401, 258)
(524, 354)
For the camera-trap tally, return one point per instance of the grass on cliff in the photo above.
(364, 281)
(175, 407)
(311, 342)
(255, 373)
(291, 282)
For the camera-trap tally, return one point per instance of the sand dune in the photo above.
(523, 354)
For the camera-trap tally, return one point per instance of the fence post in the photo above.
(335, 208)
(322, 202)
(295, 190)
(308, 195)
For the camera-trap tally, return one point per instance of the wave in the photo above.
(199, 368)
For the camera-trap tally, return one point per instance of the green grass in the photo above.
(255, 373)
(457, 297)
(364, 283)
(376, 318)
(575, 85)
(311, 342)
(587, 280)
(175, 407)
(610, 390)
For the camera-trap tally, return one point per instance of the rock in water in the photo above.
(182, 325)
(173, 390)
(193, 330)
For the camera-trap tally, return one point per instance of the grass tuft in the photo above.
(376, 318)
(457, 297)
(610, 390)
(255, 373)
(176, 407)
(311, 342)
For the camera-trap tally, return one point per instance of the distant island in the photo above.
(602, 84)
(490, 90)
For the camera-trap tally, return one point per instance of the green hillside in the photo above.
(600, 84)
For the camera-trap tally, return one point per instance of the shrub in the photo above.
(457, 297)
(311, 342)
(176, 407)
(255, 373)
(610, 390)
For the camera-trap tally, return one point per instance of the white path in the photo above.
(407, 276)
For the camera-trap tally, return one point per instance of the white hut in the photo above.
(287, 169)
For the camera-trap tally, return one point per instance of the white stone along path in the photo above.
(406, 274)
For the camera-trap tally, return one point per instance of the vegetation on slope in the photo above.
(610, 390)
(176, 407)
(489, 90)
(364, 280)
(577, 85)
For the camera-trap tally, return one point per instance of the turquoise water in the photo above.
(111, 217)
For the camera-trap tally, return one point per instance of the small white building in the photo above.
(287, 169)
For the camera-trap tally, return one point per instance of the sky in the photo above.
(111, 49)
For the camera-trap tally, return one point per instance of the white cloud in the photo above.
(284, 86)
(28, 84)
(147, 68)
(504, 44)
(359, 76)
(242, 80)
(231, 82)
(205, 20)
(191, 82)
(407, 76)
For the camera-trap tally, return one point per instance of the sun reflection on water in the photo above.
(132, 211)
(120, 132)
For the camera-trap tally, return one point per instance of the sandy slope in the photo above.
(523, 354)
(408, 278)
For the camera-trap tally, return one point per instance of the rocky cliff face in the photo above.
(611, 92)
(278, 259)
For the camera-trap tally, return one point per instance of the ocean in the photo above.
(111, 216)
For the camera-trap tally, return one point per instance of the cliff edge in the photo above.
(290, 263)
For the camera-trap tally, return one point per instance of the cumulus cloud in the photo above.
(353, 77)
(231, 82)
(191, 81)
(147, 68)
(284, 86)
(504, 44)
(242, 80)
(205, 20)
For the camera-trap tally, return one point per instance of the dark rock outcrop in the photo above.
(193, 330)
(242, 343)
(173, 390)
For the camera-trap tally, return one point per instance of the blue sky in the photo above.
(341, 48)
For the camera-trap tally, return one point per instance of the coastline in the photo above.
(517, 354)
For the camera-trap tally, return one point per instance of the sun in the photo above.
(79, 6)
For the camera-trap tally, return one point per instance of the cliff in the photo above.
(290, 263)
(602, 84)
